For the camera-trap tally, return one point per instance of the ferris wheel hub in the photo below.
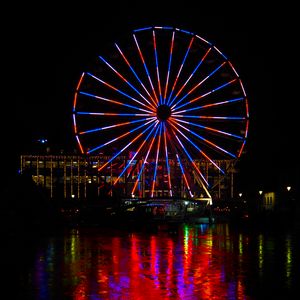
(163, 112)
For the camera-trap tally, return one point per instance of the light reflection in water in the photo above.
(196, 262)
(288, 262)
(260, 254)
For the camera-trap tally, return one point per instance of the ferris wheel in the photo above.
(163, 106)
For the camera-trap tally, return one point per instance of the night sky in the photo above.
(49, 47)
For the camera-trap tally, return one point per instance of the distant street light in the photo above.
(260, 192)
(240, 194)
(288, 188)
(42, 141)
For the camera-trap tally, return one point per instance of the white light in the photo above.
(288, 188)
(260, 192)
(240, 194)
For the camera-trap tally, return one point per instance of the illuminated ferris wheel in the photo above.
(163, 107)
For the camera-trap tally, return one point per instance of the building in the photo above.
(78, 177)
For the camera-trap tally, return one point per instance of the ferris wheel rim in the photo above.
(169, 111)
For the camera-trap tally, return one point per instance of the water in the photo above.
(217, 261)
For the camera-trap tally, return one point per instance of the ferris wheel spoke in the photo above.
(176, 111)
(120, 92)
(199, 84)
(208, 93)
(111, 114)
(207, 141)
(156, 161)
(114, 126)
(184, 176)
(189, 78)
(229, 118)
(146, 68)
(145, 161)
(135, 74)
(157, 69)
(124, 148)
(190, 158)
(167, 163)
(195, 146)
(169, 67)
(211, 129)
(115, 102)
(179, 71)
(120, 137)
(137, 152)
(125, 80)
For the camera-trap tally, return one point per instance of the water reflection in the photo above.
(193, 262)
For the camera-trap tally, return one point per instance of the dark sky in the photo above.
(47, 48)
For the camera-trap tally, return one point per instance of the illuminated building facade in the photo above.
(77, 176)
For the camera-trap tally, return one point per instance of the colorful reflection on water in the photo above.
(190, 262)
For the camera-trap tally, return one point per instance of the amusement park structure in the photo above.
(162, 113)
(170, 102)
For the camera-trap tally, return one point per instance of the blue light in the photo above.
(42, 141)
